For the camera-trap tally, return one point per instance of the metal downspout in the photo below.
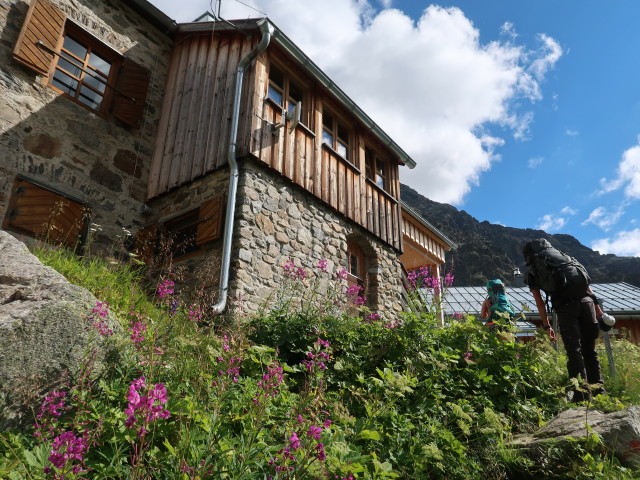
(266, 29)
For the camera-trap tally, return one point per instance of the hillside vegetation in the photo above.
(315, 387)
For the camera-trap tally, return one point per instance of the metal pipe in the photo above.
(266, 29)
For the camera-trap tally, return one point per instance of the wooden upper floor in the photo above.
(292, 118)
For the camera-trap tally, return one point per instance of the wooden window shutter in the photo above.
(210, 220)
(131, 93)
(39, 212)
(44, 23)
(145, 242)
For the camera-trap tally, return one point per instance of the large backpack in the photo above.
(555, 272)
(501, 307)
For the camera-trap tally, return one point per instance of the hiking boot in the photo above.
(580, 396)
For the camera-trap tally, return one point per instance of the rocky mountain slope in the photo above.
(486, 251)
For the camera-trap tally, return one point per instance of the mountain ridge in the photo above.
(487, 251)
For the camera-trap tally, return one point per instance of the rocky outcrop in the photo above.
(618, 431)
(45, 330)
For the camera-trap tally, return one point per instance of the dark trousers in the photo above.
(579, 329)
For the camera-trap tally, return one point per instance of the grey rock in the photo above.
(45, 331)
(618, 431)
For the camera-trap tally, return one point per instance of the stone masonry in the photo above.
(277, 221)
(65, 147)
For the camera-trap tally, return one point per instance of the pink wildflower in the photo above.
(145, 405)
(322, 265)
(165, 288)
(67, 449)
(98, 318)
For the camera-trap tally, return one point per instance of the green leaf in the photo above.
(172, 450)
(369, 435)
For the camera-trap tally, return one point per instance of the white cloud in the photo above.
(625, 243)
(627, 175)
(535, 162)
(571, 133)
(429, 83)
(549, 54)
(550, 223)
(568, 211)
(603, 218)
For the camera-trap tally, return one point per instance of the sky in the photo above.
(524, 113)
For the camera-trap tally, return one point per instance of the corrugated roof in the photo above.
(616, 298)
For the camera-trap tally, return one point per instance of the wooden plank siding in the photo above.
(194, 130)
(196, 112)
(423, 238)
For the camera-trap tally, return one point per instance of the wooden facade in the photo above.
(193, 137)
(424, 246)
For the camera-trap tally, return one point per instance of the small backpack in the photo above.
(556, 272)
(501, 307)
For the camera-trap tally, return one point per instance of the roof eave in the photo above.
(424, 222)
(317, 74)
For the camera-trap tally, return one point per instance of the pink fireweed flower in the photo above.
(195, 313)
(374, 317)
(360, 301)
(392, 324)
(165, 288)
(294, 442)
(354, 290)
(342, 274)
(52, 404)
(291, 271)
(137, 333)
(321, 455)
(98, 317)
(67, 449)
(448, 280)
(322, 265)
(145, 405)
(467, 356)
(268, 385)
(314, 432)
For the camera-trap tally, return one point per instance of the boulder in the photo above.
(45, 331)
(618, 431)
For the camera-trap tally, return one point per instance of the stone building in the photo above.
(223, 138)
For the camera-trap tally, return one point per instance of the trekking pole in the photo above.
(609, 349)
(554, 324)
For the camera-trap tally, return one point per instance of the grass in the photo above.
(298, 392)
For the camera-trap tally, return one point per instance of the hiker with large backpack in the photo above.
(566, 281)
(496, 307)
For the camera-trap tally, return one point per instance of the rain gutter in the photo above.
(266, 29)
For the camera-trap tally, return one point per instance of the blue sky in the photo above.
(522, 113)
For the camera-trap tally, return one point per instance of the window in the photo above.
(82, 70)
(284, 91)
(335, 134)
(376, 169)
(42, 213)
(356, 268)
(187, 233)
(80, 66)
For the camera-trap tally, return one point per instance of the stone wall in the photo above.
(62, 145)
(277, 222)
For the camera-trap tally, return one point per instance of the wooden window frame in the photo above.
(355, 260)
(41, 212)
(39, 48)
(287, 100)
(334, 127)
(92, 45)
(376, 169)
